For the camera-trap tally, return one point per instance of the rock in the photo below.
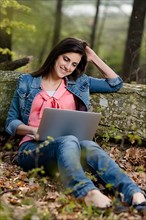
(7, 86)
(123, 112)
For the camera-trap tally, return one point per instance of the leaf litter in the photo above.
(24, 196)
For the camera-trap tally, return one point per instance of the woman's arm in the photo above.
(14, 123)
(111, 82)
(103, 67)
(23, 129)
(27, 130)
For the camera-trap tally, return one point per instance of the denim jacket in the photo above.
(28, 87)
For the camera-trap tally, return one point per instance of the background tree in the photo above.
(94, 27)
(110, 35)
(57, 26)
(134, 40)
(7, 24)
(102, 26)
(5, 36)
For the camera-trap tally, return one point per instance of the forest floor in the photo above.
(33, 196)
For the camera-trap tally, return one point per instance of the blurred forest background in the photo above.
(115, 29)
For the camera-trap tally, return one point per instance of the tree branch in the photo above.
(12, 65)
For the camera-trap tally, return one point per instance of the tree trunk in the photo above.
(57, 27)
(43, 48)
(93, 33)
(101, 28)
(5, 38)
(134, 39)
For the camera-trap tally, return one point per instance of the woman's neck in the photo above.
(50, 83)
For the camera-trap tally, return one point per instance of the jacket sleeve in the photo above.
(105, 85)
(14, 114)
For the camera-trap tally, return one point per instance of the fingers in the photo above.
(89, 53)
(36, 137)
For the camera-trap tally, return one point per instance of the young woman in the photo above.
(61, 83)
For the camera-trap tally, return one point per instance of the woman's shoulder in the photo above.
(25, 76)
(24, 82)
(83, 77)
(27, 81)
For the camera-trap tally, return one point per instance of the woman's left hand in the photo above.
(90, 53)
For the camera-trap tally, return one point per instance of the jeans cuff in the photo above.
(83, 191)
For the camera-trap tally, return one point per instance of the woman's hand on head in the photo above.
(99, 63)
(90, 53)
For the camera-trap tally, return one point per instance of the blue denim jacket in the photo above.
(29, 86)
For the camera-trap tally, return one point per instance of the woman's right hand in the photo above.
(23, 129)
(35, 134)
(34, 130)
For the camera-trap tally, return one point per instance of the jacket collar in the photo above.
(68, 81)
(36, 82)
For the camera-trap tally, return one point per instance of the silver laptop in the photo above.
(58, 122)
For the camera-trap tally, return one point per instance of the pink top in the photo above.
(61, 99)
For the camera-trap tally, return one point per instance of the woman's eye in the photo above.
(74, 64)
(65, 58)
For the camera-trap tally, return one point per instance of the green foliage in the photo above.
(6, 51)
(69, 208)
(5, 212)
(11, 4)
(30, 214)
(111, 133)
(109, 186)
(8, 24)
(8, 146)
(34, 172)
(140, 168)
(135, 138)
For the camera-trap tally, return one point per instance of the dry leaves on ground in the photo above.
(27, 196)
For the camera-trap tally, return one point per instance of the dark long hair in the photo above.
(65, 46)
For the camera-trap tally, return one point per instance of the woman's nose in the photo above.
(68, 66)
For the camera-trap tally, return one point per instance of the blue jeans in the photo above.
(71, 157)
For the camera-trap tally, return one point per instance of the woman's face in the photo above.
(66, 64)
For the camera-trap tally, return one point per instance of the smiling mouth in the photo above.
(63, 70)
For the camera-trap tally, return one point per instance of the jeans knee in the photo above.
(71, 138)
(68, 148)
(86, 144)
(68, 141)
(92, 148)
